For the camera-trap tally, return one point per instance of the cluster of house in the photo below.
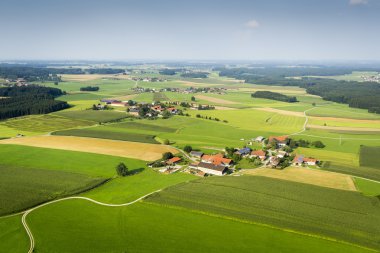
(373, 78)
(210, 164)
(148, 79)
(17, 82)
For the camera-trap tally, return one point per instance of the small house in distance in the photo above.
(196, 154)
(173, 160)
(243, 151)
(261, 154)
(259, 139)
(281, 141)
(212, 169)
(300, 159)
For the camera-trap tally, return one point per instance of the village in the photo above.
(274, 154)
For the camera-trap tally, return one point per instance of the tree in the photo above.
(166, 114)
(187, 149)
(192, 98)
(55, 83)
(122, 170)
(166, 142)
(318, 144)
(167, 155)
(94, 107)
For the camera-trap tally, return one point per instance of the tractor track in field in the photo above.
(29, 232)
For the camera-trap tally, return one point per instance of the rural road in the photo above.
(29, 232)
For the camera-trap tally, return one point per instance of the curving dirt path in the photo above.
(29, 232)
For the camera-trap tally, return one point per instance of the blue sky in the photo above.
(183, 30)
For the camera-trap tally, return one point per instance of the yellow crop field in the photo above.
(141, 151)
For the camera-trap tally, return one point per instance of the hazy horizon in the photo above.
(115, 30)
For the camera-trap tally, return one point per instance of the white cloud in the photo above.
(358, 2)
(252, 24)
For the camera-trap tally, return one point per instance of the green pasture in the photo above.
(45, 123)
(22, 188)
(343, 215)
(92, 115)
(94, 165)
(141, 227)
(80, 96)
(104, 133)
(367, 187)
(342, 111)
(370, 156)
(13, 237)
(354, 76)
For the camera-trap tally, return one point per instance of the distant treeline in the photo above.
(195, 75)
(20, 101)
(365, 95)
(170, 72)
(32, 74)
(274, 96)
(89, 88)
(107, 71)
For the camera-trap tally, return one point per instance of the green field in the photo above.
(113, 135)
(91, 115)
(367, 187)
(159, 96)
(142, 227)
(13, 237)
(45, 123)
(22, 188)
(343, 215)
(369, 156)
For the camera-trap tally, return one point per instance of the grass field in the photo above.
(94, 165)
(339, 214)
(113, 135)
(45, 123)
(368, 187)
(91, 115)
(369, 156)
(308, 176)
(141, 227)
(25, 187)
(160, 96)
(143, 151)
(13, 237)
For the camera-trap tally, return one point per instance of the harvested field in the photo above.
(215, 100)
(360, 129)
(364, 121)
(283, 112)
(308, 176)
(141, 151)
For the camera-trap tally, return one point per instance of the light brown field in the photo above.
(308, 176)
(283, 112)
(223, 108)
(364, 121)
(216, 100)
(360, 129)
(141, 151)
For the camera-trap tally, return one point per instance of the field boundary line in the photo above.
(29, 232)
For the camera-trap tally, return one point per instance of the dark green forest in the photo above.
(274, 96)
(20, 101)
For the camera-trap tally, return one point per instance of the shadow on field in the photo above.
(136, 171)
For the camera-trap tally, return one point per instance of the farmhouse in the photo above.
(196, 154)
(212, 169)
(300, 159)
(280, 140)
(282, 154)
(259, 139)
(243, 151)
(259, 153)
(217, 159)
(173, 160)
(172, 110)
(157, 108)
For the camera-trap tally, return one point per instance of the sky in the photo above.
(190, 30)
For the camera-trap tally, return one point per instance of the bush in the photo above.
(318, 144)
(122, 170)
(166, 142)
(187, 149)
(167, 155)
